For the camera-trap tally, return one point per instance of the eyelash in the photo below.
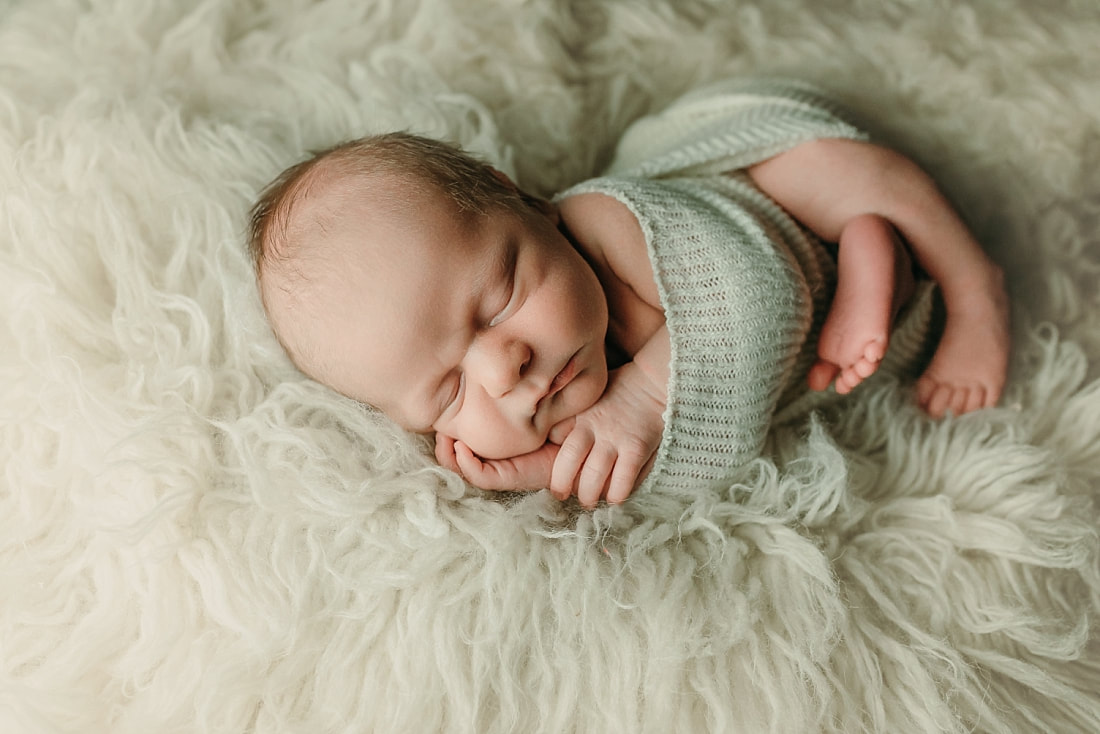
(458, 391)
(505, 312)
(501, 316)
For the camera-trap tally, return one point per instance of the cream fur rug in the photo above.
(193, 538)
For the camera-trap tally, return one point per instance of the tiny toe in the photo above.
(841, 385)
(875, 350)
(992, 395)
(822, 375)
(864, 368)
(925, 387)
(976, 399)
(959, 400)
(938, 401)
(851, 376)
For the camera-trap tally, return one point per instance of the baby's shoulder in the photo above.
(603, 228)
(609, 235)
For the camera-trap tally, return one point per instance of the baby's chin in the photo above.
(581, 395)
(517, 445)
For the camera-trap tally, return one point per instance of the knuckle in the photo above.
(573, 452)
(562, 480)
(562, 489)
(617, 494)
(588, 498)
(634, 447)
(599, 462)
(571, 449)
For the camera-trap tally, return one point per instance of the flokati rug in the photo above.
(195, 538)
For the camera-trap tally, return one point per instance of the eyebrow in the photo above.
(499, 268)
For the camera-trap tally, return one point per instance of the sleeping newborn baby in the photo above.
(645, 326)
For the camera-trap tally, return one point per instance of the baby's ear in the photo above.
(544, 207)
(503, 178)
(547, 208)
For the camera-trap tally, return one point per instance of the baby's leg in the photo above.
(874, 279)
(969, 367)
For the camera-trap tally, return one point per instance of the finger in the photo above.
(571, 456)
(527, 471)
(622, 481)
(559, 431)
(471, 467)
(445, 452)
(593, 476)
(633, 463)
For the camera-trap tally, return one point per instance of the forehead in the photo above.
(382, 303)
(334, 220)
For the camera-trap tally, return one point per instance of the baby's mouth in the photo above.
(563, 377)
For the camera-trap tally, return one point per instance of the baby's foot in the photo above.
(874, 279)
(970, 365)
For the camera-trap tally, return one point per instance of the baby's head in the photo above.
(405, 274)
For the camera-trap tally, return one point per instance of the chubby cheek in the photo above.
(580, 305)
(506, 445)
(491, 435)
(591, 385)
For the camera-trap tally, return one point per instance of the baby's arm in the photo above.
(826, 184)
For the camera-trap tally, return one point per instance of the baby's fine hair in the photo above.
(471, 184)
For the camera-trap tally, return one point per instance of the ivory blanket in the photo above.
(195, 538)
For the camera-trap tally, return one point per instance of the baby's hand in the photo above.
(606, 450)
(516, 474)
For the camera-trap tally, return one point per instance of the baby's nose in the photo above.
(506, 368)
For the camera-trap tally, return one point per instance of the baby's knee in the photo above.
(869, 228)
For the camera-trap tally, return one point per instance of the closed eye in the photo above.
(452, 403)
(457, 393)
(508, 290)
(509, 307)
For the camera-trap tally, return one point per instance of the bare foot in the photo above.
(874, 279)
(970, 365)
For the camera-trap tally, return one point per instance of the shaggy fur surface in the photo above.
(194, 538)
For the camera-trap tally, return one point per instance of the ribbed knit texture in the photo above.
(744, 288)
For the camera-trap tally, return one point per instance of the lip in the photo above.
(561, 380)
(564, 377)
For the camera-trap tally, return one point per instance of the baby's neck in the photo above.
(615, 354)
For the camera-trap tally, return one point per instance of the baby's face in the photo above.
(488, 329)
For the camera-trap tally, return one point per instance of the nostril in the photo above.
(525, 365)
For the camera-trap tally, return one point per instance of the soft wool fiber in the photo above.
(194, 538)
